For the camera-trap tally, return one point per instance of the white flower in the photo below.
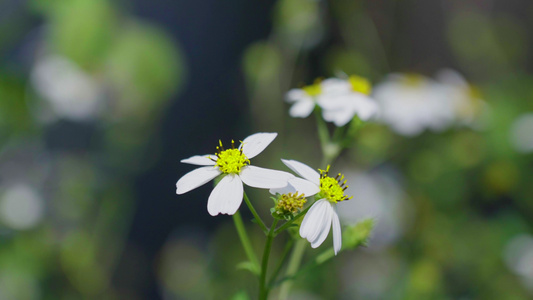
(234, 163)
(344, 98)
(340, 100)
(323, 214)
(412, 103)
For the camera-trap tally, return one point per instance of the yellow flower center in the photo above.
(313, 89)
(231, 161)
(290, 203)
(360, 84)
(332, 188)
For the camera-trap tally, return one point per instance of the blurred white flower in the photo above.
(520, 135)
(518, 255)
(344, 98)
(234, 163)
(412, 103)
(340, 100)
(21, 207)
(70, 92)
(323, 213)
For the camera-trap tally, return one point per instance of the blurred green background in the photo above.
(100, 99)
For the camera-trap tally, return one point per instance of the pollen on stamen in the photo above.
(290, 203)
(230, 161)
(333, 188)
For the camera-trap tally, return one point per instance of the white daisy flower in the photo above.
(344, 98)
(234, 164)
(322, 215)
(303, 100)
(409, 104)
(340, 100)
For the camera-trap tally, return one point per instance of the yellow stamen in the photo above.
(290, 203)
(332, 188)
(313, 89)
(360, 84)
(231, 161)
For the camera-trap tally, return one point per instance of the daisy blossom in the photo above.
(234, 164)
(342, 99)
(303, 100)
(322, 216)
(412, 103)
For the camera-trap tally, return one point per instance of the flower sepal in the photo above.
(357, 235)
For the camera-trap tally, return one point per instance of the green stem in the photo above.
(256, 216)
(281, 262)
(245, 241)
(323, 133)
(263, 290)
(311, 264)
(294, 264)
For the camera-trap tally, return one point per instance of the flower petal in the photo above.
(226, 197)
(256, 143)
(264, 178)
(366, 108)
(313, 221)
(337, 234)
(195, 178)
(200, 160)
(303, 170)
(283, 190)
(304, 186)
(302, 108)
(339, 117)
(296, 95)
(324, 227)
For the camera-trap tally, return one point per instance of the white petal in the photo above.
(304, 186)
(339, 117)
(337, 235)
(313, 220)
(256, 143)
(226, 197)
(296, 95)
(303, 170)
(196, 178)
(324, 227)
(264, 178)
(335, 86)
(200, 160)
(302, 109)
(335, 102)
(283, 190)
(366, 108)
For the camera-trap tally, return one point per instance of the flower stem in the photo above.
(294, 264)
(256, 216)
(281, 262)
(245, 241)
(263, 290)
